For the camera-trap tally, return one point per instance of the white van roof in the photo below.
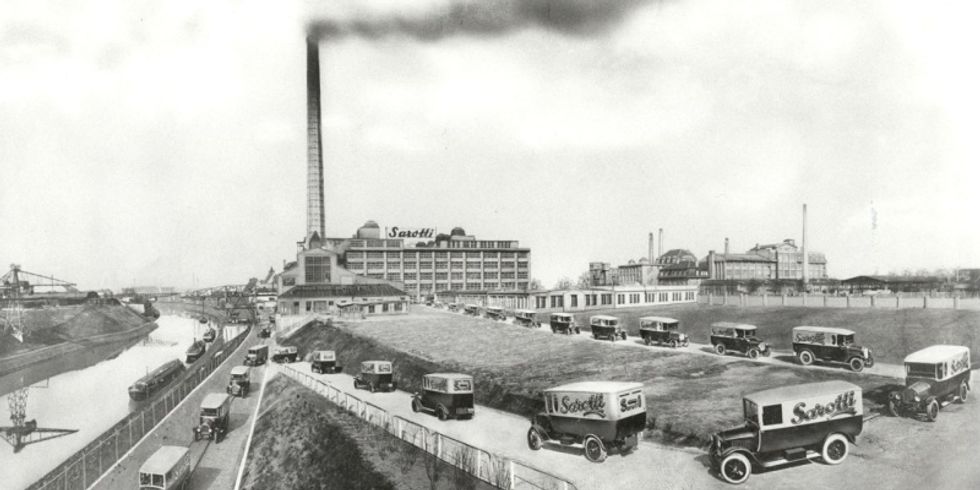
(214, 400)
(449, 375)
(661, 319)
(806, 390)
(603, 317)
(739, 326)
(936, 353)
(830, 330)
(596, 387)
(239, 370)
(163, 460)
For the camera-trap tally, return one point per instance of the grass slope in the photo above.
(890, 333)
(689, 396)
(304, 441)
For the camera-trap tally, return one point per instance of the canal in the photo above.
(85, 391)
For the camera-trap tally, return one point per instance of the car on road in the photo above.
(787, 425)
(286, 353)
(606, 327)
(662, 330)
(447, 395)
(525, 318)
(168, 468)
(194, 352)
(213, 419)
(738, 337)
(934, 377)
(257, 355)
(831, 345)
(375, 376)
(598, 415)
(324, 361)
(265, 332)
(240, 381)
(210, 334)
(453, 307)
(563, 323)
(473, 310)
(496, 313)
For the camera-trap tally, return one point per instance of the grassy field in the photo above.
(890, 333)
(689, 396)
(304, 441)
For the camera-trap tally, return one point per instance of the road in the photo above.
(216, 464)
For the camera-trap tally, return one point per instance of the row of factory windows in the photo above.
(470, 286)
(413, 254)
(442, 276)
(558, 300)
(379, 243)
(358, 265)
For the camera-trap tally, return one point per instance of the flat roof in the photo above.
(801, 391)
(449, 375)
(239, 370)
(833, 330)
(661, 319)
(936, 353)
(604, 317)
(214, 400)
(740, 326)
(163, 460)
(561, 314)
(597, 386)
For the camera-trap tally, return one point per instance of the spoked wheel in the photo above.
(753, 353)
(894, 409)
(735, 468)
(720, 349)
(534, 440)
(416, 406)
(963, 393)
(834, 449)
(856, 364)
(372, 388)
(442, 413)
(932, 409)
(805, 357)
(673, 344)
(646, 340)
(595, 451)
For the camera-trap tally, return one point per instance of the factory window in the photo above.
(441, 276)
(457, 255)
(574, 298)
(472, 255)
(394, 255)
(490, 255)
(607, 299)
(539, 302)
(457, 276)
(376, 265)
(472, 286)
(442, 264)
(442, 287)
(411, 265)
(425, 255)
(635, 298)
(317, 269)
(425, 276)
(394, 265)
(376, 276)
(355, 255)
(522, 275)
(425, 264)
(557, 301)
(506, 275)
(473, 276)
(507, 285)
(457, 286)
(394, 277)
(620, 299)
(392, 243)
(503, 244)
(489, 265)
(410, 276)
(588, 300)
(489, 275)
(375, 255)
(376, 243)
(441, 255)
(410, 254)
(507, 255)
(522, 255)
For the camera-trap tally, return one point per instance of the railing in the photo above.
(903, 300)
(82, 469)
(491, 468)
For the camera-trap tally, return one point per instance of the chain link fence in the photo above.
(82, 469)
(494, 469)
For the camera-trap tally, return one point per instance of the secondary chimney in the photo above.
(726, 245)
(660, 246)
(650, 256)
(806, 259)
(314, 152)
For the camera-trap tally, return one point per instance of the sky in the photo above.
(164, 143)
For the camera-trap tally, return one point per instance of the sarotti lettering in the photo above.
(843, 404)
(811, 338)
(630, 402)
(594, 404)
(396, 232)
(961, 364)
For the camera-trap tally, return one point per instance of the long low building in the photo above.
(597, 298)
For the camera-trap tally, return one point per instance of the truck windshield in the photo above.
(151, 479)
(845, 340)
(920, 370)
(751, 412)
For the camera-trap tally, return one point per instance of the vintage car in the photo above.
(525, 318)
(471, 310)
(606, 327)
(738, 337)
(563, 323)
(495, 313)
(662, 330)
(448, 395)
(240, 382)
(257, 355)
(210, 334)
(286, 353)
(790, 424)
(599, 415)
(265, 332)
(194, 352)
(155, 380)
(167, 469)
(213, 420)
(934, 377)
(374, 376)
(453, 307)
(832, 345)
(324, 361)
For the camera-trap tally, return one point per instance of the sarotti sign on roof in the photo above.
(408, 232)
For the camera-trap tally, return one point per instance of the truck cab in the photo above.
(934, 377)
(257, 355)
(662, 330)
(375, 376)
(563, 323)
(213, 418)
(240, 381)
(287, 353)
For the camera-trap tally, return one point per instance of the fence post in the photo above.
(825, 301)
(804, 298)
(847, 301)
(925, 301)
(873, 301)
(956, 302)
(783, 300)
(510, 466)
(765, 299)
(438, 445)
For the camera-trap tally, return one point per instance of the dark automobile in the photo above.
(285, 354)
(563, 323)
(472, 310)
(213, 420)
(934, 377)
(448, 395)
(606, 327)
(525, 318)
(790, 424)
(737, 337)
(599, 415)
(662, 330)
(832, 345)
(240, 381)
(324, 361)
(375, 376)
(495, 313)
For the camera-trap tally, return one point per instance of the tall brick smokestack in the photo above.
(650, 252)
(314, 151)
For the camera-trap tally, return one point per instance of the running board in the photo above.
(810, 454)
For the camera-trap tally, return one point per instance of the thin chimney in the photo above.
(726, 245)
(660, 246)
(314, 151)
(806, 259)
(650, 256)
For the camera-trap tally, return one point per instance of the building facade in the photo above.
(611, 297)
(772, 262)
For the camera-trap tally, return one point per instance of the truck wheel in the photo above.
(805, 357)
(894, 409)
(735, 468)
(720, 349)
(416, 406)
(753, 353)
(578, 330)
(856, 364)
(932, 409)
(870, 362)
(622, 335)
(534, 439)
(834, 449)
(554, 330)
(963, 394)
(594, 450)
(673, 344)
(646, 340)
(442, 413)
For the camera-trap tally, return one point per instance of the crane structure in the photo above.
(14, 286)
(23, 431)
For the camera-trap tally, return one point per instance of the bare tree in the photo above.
(584, 280)
(564, 284)
(535, 285)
